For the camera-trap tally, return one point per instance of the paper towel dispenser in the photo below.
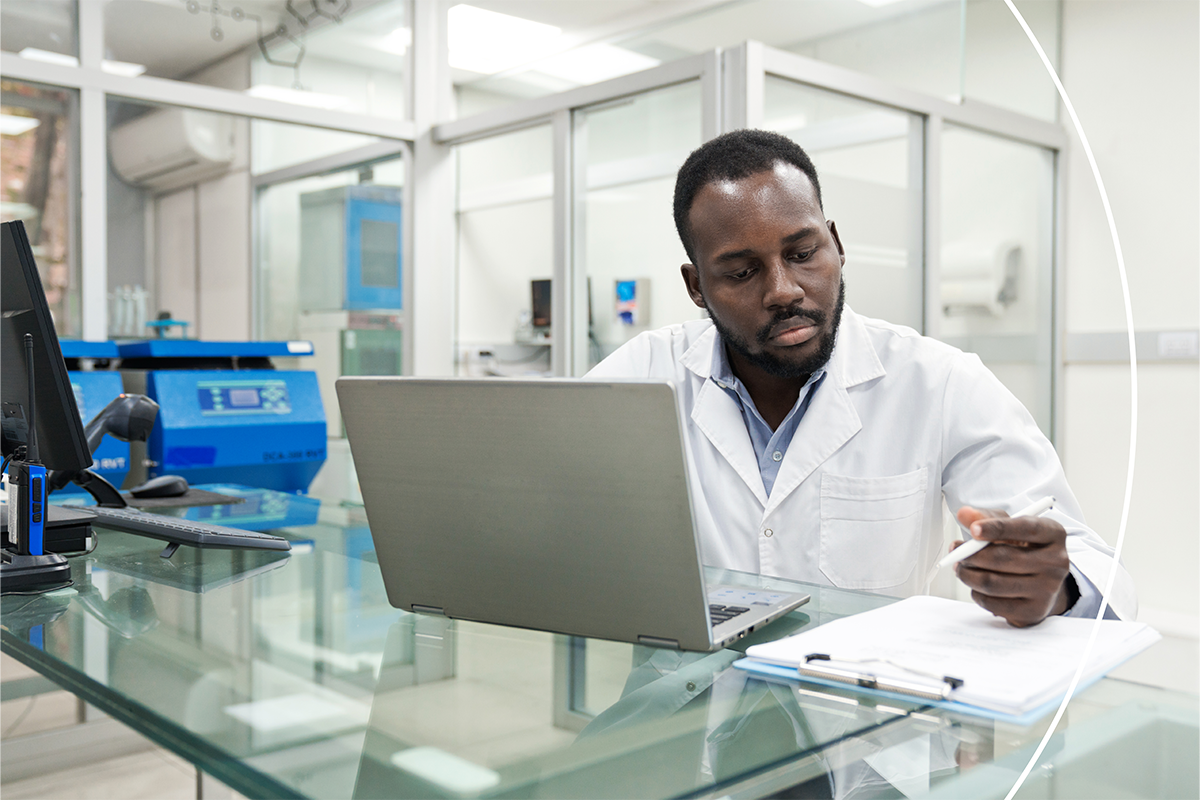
(979, 277)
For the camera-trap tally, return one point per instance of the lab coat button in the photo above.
(767, 531)
(691, 687)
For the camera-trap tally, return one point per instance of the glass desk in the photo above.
(291, 676)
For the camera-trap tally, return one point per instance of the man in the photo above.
(823, 442)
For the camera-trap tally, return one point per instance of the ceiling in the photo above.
(175, 38)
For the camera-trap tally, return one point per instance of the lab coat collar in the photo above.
(854, 359)
(699, 357)
(717, 415)
(830, 422)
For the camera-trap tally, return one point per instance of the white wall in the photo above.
(1133, 73)
(202, 236)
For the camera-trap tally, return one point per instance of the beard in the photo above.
(774, 365)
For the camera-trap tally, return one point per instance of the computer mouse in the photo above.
(162, 486)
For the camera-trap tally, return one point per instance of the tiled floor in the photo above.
(152, 775)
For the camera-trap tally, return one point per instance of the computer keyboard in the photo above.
(184, 531)
(719, 614)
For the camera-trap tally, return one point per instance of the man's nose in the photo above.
(783, 287)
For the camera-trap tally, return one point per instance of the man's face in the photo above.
(769, 271)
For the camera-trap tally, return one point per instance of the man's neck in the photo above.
(773, 396)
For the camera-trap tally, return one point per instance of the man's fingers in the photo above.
(997, 584)
(1019, 612)
(1032, 530)
(1020, 576)
(1016, 558)
(969, 514)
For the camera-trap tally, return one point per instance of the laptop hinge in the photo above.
(420, 609)
(655, 641)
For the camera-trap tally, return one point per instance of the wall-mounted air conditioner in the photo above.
(172, 148)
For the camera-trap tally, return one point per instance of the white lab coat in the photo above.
(899, 421)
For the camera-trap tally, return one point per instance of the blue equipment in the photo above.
(226, 416)
(350, 248)
(93, 390)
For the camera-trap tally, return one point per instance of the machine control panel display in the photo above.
(243, 397)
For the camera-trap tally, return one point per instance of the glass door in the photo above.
(997, 260)
(867, 157)
(631, 149)
(505, 259)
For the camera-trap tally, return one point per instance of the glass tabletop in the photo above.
(289, 674)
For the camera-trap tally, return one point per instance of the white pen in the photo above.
(973, 546)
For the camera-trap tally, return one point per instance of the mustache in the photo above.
(789, 315)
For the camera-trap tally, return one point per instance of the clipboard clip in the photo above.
(868, 680)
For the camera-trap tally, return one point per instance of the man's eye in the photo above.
(804, 255)
(741, 275)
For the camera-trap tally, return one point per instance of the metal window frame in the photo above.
(167, 92)
(94, 86)
(541, 110)
(968, 114)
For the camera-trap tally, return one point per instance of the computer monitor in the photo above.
(60, 437)
(539, 291)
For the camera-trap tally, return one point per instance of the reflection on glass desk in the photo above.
(260, 509)
(253, 510)
(292, 677)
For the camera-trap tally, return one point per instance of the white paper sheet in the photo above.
(1006, 669)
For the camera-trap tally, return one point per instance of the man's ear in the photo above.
(691, 279)
(837, 240)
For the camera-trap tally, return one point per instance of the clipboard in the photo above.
(952, 655)
(788, 675)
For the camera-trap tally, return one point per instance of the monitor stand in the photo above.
(20, 573)
(66, 530)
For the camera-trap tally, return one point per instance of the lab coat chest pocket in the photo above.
(871, 528)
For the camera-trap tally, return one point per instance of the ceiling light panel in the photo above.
(125, 68)
(594, 63)
(299, 97)
(488, 42)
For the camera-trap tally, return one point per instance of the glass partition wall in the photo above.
(504, 214)
(996, 287)
(632, 149)
(947, 211)
(867, 157)
(552, 239)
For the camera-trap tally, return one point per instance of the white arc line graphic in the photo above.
(1133, 394)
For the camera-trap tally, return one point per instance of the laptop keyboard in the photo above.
(720, 614)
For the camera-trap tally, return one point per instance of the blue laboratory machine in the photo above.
(351, 284)
(95, 385)
(226, 415)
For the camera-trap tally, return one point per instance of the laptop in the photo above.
(553, 504)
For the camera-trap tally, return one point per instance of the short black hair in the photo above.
(733, 156)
